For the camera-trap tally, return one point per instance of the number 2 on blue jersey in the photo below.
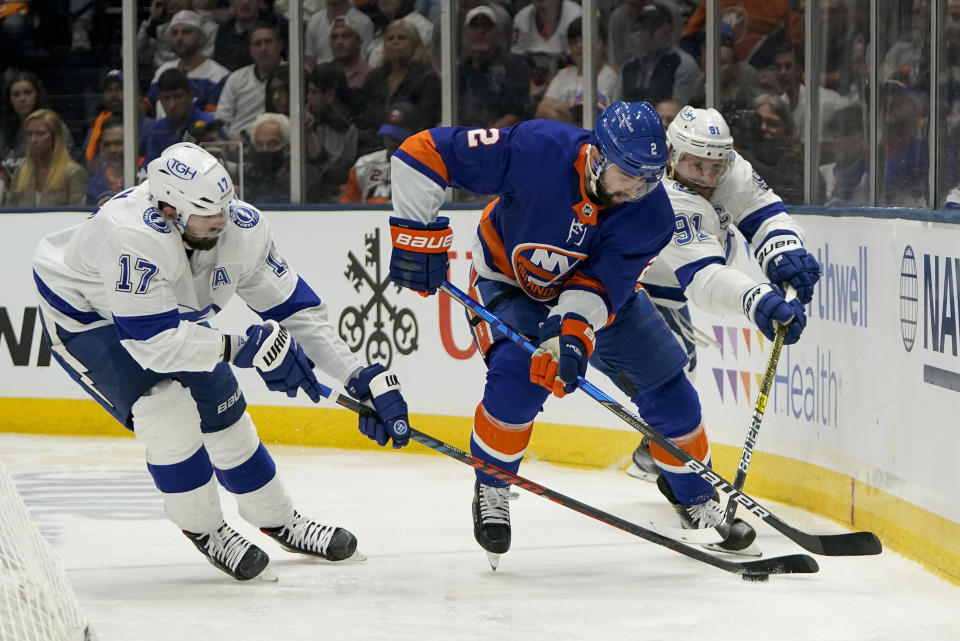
(147, 271)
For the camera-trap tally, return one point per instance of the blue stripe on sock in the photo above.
(183, 476)
(252, 474)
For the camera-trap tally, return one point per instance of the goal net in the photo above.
(36, 600)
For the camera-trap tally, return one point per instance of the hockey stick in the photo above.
(746, 455)
(750, 570)
(847, 544)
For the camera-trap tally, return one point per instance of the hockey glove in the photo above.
(784, 260)
(419, 259)
(279, 359)
(376, 383)
(767, 307)
(565, 347)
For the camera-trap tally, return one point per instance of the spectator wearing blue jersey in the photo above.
(175, 93)
(206, 76)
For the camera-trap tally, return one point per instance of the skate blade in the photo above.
(356, 557)
(751, 550)
(268, 575)
(643, 475)
(494, 560)
(699, 536)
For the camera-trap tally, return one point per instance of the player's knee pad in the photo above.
(509, 395)
(166, 421)
(242, 463)
(672, 408)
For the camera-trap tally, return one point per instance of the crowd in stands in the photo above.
(215, 72)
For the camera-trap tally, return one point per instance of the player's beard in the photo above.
(604, 197)
(202, 244)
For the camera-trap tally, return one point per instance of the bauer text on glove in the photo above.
(419, 258)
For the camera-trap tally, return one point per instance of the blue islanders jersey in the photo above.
(542, 232)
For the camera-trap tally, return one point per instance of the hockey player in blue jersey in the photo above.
(578, 217)
(714, 189)
(124, 298)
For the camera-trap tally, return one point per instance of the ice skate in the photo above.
(491, 520)
(735, 538)
(306, 536)
(231, 552)
(643, 466)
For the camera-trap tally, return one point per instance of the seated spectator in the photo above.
(493, 83)
(405, 74)
(267, 175)
(541, 27)
(501, 16)
(369, 179)
(904, 150)
(277, 91)
(392, 10)
(106, 168)
(337, 139)
(244, 93)
(778, 156)
(576, 107)
(48, 176)
(206, 76)
(18, 35)
(569, 81)
(753, 23)
(660, 70)
(668, 110)
(232, 42)
(316, 44)
(844, 181)
(111, 98)
(154, 44)
(176, 96)
(24, 94)
(346, 43)
(737, 82)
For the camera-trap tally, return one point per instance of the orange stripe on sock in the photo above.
(694, 443)
(501, 437)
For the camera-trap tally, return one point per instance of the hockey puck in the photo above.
(755, 576)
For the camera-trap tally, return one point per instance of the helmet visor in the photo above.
(705, 172)
(625, 186)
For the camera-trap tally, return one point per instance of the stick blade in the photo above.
(790, 564)
(850, 544)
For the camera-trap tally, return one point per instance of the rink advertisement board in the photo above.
(871, 392)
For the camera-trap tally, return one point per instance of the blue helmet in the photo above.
(630, 135)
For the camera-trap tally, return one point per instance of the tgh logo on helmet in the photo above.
(181, 169)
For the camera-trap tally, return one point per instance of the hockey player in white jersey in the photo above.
(124, 298)
(713, 189)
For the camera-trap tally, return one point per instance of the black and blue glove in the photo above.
(766, 305)
(375, 383)
(784, 260)
(566, 344)
(277, 356)
(419, 259)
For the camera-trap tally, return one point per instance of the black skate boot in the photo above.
(491, 520)
(231, 552)
(737, 536)
(306, 536)
(643, 466)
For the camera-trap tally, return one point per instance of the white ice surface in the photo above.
(566, 577)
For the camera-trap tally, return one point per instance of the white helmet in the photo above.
(188, 178)
(700, 132)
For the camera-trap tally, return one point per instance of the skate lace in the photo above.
(705, 515)
(307, 534)
(227, 546)
(495, 504)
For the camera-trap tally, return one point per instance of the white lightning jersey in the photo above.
(126, 265)
(695, 265)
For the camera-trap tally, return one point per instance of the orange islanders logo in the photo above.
(542, 270)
